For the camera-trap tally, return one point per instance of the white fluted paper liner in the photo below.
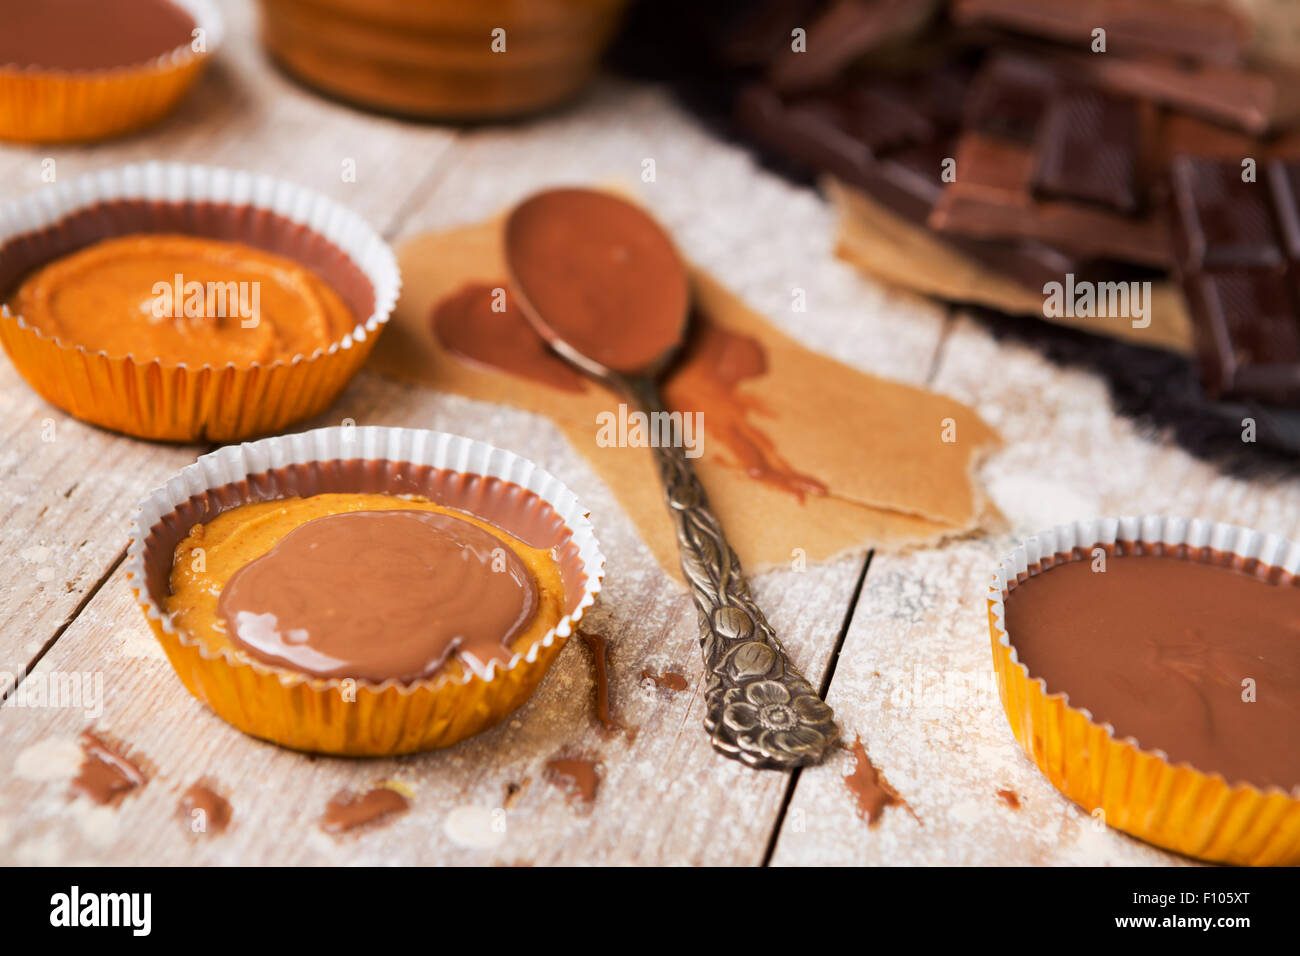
(183, 182)
(146, 396)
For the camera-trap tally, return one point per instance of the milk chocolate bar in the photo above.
(1237, 244)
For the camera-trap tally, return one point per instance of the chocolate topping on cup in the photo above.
(1194, 657)
(90, 34)
(381, 595)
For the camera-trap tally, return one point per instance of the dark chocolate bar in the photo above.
(1049, 159)
(1089, 150)
(1200, 31)
(894, 154)
(992, 198)
(1009, 97)
(1257, 101)
(1238, 248)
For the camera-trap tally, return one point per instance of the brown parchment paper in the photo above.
(877, 445)
(888, 247)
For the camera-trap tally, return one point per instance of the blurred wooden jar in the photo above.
(442, 59)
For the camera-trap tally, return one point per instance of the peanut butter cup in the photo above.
(189, 303)
(1150, 667)
(1187, 653)
(85, 70)
(363, 591)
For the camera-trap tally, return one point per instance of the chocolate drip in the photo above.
(214, 807)
(106, 774)
(668, 680)
(576, 776)
(599, 648)
(868, 787)
(348, 811)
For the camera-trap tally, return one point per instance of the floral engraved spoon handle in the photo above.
(759, 708)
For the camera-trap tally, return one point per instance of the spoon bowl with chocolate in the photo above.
(1150, 667)
(605, 287)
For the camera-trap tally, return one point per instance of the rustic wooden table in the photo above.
(898, 641)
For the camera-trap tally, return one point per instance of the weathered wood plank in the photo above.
(915, 677)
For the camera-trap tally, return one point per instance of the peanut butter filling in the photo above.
(183, 300)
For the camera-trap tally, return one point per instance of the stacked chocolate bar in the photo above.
(1099, 140)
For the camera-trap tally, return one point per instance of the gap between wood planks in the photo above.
(831, 663)
(949, 320)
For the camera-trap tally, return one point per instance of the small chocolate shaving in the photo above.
(106, 774)
(1010, 798)
(668, 680)
(200, 798)
(576, 776)
(347, 811)
(514, 791)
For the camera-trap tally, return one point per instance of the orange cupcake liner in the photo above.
(60, 106)
(359, 717)
(145, 396)
(1136, 790)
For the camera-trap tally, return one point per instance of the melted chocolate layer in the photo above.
(470, 326)
(90, 34)
(1188, 656)
(349, 811)
(381, 595)
(505, 505)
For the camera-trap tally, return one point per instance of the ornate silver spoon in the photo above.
(604, 286)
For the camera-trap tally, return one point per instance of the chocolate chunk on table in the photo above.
(1238, 250)
(1196, 31)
